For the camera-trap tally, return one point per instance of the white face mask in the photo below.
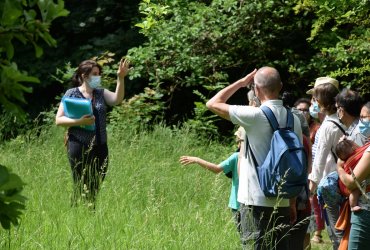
(94, 81)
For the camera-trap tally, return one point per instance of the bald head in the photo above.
(268, 80)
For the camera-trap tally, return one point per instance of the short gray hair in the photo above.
(269, 79)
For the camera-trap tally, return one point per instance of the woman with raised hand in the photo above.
(87, 148)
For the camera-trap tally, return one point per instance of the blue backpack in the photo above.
(284, 172)
(328, 190)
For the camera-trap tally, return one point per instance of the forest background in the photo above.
(182, 52)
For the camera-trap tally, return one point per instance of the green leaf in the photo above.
(9, 48)
(38, 50)
(14, 182)
(11, 12)
(5, 221)
(49, 10)
(4, 175)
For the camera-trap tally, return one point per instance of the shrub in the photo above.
(12, 203)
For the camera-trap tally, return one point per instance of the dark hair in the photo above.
(84, 68)
(288, 99)
(344, 149)
(350, 101)
(325, 94)
(302, 100)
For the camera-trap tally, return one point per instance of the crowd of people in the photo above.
(333, 126)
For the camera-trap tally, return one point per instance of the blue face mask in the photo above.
(316, 107)
(94, 82)
(314, 110)
(364, 127)
(313, 113)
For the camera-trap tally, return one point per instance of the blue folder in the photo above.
(75, 108)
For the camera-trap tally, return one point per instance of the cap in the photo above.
(240, 133)
(323, 80)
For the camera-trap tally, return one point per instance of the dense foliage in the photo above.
(185, 52)
(91, 29)
(340, 33)
(26, 22)
(22, 23)
(196, 47)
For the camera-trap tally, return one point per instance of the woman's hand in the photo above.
(123, 68)
(87, 120)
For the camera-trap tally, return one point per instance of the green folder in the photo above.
(75, 108)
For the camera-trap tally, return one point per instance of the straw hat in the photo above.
(240, 133)
(323, 80)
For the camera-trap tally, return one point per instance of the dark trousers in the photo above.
(89, 166)
(299, 230)
(237, 220)
(265, 228)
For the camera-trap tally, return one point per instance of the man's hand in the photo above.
(248, 79)
(218, 104)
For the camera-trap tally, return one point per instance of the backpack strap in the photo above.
(274, 125)
(289, 119)
(272, 119)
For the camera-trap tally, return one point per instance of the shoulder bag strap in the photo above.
(248, 148)
(97, 123)
(343, 131)
(339, 126)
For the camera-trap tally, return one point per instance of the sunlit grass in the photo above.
(148, 200)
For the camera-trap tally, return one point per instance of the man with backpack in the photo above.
(265, 218)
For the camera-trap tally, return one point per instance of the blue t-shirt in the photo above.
(231, 164)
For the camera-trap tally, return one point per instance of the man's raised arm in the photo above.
(218, 105)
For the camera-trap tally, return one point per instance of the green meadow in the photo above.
(147, 201)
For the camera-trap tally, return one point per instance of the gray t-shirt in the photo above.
(100, 112)
(302, 119)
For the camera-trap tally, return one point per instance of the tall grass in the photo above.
(147, 201)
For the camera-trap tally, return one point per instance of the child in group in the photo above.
(230, 168)
(345, 149)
